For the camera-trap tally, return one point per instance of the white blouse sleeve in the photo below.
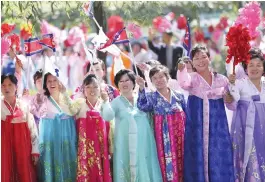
(33, 133)
(236, 88)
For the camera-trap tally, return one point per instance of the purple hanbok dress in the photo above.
(248, 131)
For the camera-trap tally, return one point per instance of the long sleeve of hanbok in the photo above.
(148, 81)
(74, 105)
(35, 105)
(235, 90)
(33, 134)
(144, 101)
(184, 79)
(18, 75)
(230, 106)
(108, 110)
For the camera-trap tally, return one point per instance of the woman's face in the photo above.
(38, 84)
(52, 84)
(97, 70)
(159, 80)
(92, 90)
(201, 61)
(125, 84)
(8, 88)
(255, 68)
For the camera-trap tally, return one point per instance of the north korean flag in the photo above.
(32, 46)
(47, 40)
(187, 39)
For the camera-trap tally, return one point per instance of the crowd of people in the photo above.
(161, 117)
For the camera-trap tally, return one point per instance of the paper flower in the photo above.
(237, 40)
(6, 29)
(250, 17)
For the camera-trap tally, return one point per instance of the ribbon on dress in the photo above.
(132, 140)
(250, 122)
(208, 94)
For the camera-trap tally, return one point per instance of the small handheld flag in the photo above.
(88, 8)
(32, 46)
(187, 39)
(47, 40)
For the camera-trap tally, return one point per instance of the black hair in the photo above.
(99, 61)
(89, 79)
(122, 72)
(255, 53)
(37, 75)
(199, 48)
(12, 78)
(159, 68)
(46, 91)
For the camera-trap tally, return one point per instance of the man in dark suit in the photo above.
(168, 53)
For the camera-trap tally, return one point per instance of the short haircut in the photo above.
(37, 75)
(122, 72)
(199, 48)
(159, 68)
(255, 53)
(12, 78)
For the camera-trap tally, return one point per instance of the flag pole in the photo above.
(130, 47)
(87, 54)
(43, 68)
(28, 71)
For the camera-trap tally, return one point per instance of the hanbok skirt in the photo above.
(220, 153)
(58, 149)
(93, 160)
(254, 170)
(16, 157)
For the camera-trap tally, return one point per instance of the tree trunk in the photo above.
(100, 16)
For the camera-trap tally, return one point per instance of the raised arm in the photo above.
(184, 78)
(144, 101)
(150, 43)
(108, 109)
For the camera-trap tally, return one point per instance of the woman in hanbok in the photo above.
(93, 160)
(98, 68)
(135, 156)
(168, 108)
(36, 100)
(208, 154)
(19, 136)
(248, 125)
(57, 132)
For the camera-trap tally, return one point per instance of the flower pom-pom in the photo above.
(250, 17)
(237, 40)
(14, 41)
(135, 30)
(6, 29)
